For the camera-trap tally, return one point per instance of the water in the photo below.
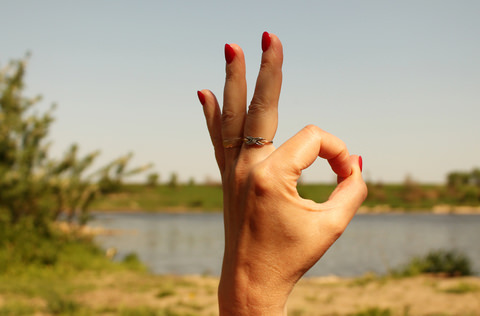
(193, 243)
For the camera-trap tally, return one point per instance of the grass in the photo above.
(373, 311)
(163, 197)
(50, 272)
(139, 197)
(462, 288)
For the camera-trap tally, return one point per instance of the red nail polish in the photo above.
(360, 162)
(201, 97)
(229, 53)
(266, 40)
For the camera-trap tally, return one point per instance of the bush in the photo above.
(34, 185)
(444, 262)
(24, 246)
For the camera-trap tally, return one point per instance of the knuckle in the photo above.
(261, 106)
(259, 179)
(258, 106)
(228, 116)
(272, 66)
(336, 228)
(312, 129)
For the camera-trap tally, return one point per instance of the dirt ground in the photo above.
(368, 295)
(128, 293)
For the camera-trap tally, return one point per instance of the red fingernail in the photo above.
(266, 40)
(360, 162)
(229, 53)
(201, 97)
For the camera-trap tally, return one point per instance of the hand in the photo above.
(272, 235)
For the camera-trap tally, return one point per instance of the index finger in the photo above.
(300, 151)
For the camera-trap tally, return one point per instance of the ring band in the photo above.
(248, 140)
(234, 142)
(258, 141)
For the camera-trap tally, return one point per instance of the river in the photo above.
(193, 243)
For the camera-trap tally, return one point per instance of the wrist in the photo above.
(247, 292)
(240, 300)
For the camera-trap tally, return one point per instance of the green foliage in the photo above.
(152, 179)
(457, 179)
(173, 182)
(162, 197)
(464, 187)
(373, 311)
(150, 311)
(462, 288)
(58, 304)
(165, 293)
(14, 308)
(132, 261)
(445, 262)
(315, 192)
(23, 246)
(31, 183)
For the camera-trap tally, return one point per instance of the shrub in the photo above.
(32, 184)
(445, 262)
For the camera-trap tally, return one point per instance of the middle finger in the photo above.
(234, 100)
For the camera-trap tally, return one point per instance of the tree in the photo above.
(475, 176)
(173, 182)
(411, 192)
(33, 185)
(457, 179)
(152, 179)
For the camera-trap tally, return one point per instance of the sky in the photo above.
(397, 81)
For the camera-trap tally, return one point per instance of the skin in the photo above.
(272, 235)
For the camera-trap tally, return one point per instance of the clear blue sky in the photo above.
(398, 81)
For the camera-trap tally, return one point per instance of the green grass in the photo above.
(16, 308)
(462, 288)
(139, 197)
(373, 311)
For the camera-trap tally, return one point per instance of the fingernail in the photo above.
(229, 53)
(201, 97)
(266, 40)
(360, 163)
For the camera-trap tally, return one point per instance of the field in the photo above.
(207, 198)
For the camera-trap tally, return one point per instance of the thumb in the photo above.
(300, 151)
(349, 193)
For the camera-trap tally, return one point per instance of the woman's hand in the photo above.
(272, 235)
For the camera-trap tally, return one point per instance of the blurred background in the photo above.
(110, 198)
(397, 81)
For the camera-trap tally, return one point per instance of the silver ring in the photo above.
(248, 140)
(257, 141)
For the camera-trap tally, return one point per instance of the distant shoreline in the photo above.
(440, 209)
(379, 209)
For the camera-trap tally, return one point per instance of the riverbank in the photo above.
(388, 198)
(440, 209)
(136, 293)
